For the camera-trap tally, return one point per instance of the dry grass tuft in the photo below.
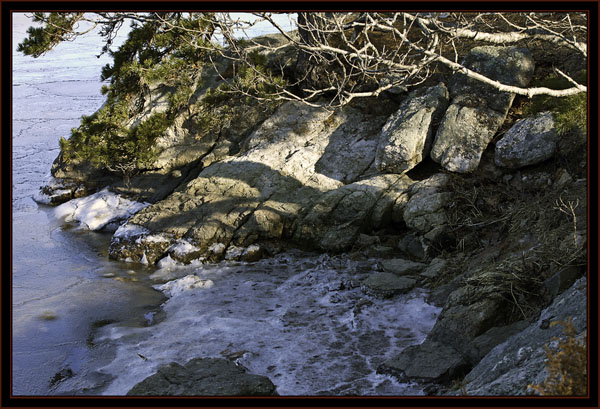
(507, 241)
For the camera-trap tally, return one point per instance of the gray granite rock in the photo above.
(425, 208)
(401, 267)
(527, 142)
(287, 178)
(385, 285)
(477, 110)
(435, 267)
(203, 377)
(428, 362)
(511, 366)
(407, 136)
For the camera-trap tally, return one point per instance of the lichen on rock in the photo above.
(527, 142)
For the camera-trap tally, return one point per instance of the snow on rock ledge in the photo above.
(136, 243)
(54, 192)
(96, 211)
(185, 252)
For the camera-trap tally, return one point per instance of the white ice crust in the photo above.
(289, 317)
(99, 209)
(129, 230)
(183, 247)
(187, 283)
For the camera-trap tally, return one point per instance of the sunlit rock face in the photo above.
(406, 138)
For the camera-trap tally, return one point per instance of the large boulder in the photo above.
(203, 377)
(401, 267)
(407, 136)
(477, 110)
(527, 142)
(467, 314)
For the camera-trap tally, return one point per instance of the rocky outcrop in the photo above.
(348, 180)
(335, 220)
(182, 150)
(203, 377)
(302, 174)
(477, 111)
(527, 142)
(520, 360)
(279, 186)
(407, 136)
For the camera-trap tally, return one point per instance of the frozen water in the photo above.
(296, 319)
(58, 279)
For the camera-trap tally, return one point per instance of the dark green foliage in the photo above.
(252, 80)
(59, 27)
(154, 53)
(216, 106)
(570, 113)
(162, 50)
(106, 144)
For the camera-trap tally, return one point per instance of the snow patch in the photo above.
(129, 230)
(187, 283)
(95, 211)
(167, 263)
(41, 197)
(234, 253)
(217, 248)
(252, 248)
(152, 238)
(182, 248)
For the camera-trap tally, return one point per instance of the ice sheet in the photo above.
(300, 320)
